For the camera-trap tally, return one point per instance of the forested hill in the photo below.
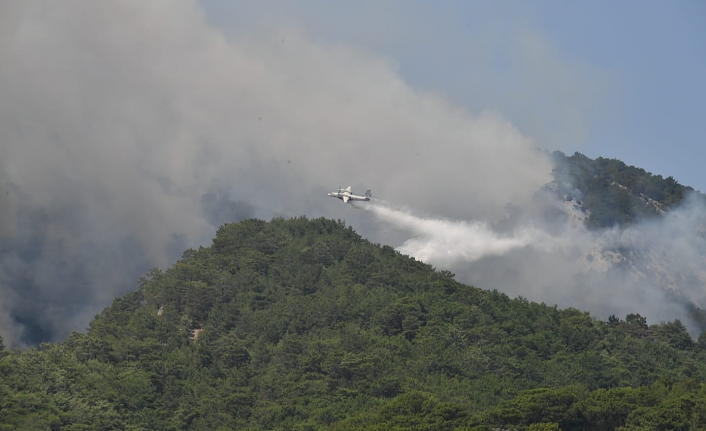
(614, 193)
(303, 325)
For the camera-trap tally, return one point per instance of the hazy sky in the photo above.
(614, 79)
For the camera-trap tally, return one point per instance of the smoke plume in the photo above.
(448, 243)
(132, 129)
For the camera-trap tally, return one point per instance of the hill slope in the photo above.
(614, 193)
(648, 231)
(302, 324)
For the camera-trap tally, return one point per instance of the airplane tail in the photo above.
(368, 194)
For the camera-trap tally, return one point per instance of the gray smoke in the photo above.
(132, 129)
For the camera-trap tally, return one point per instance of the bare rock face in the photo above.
(575, 213)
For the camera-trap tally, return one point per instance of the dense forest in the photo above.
(614, 193)
(303, 325)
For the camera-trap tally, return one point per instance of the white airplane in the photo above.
(346, 195)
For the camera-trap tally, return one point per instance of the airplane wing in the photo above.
(345, 199)
(348, 189)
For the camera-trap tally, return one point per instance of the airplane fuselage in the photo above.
(345, 195)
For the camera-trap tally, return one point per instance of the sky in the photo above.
(614, 79)
(132, 130)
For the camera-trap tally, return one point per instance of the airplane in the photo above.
(346, 195)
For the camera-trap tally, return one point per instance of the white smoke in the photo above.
(447, 242)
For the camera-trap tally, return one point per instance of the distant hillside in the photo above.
(668, 253)
(613, 193)
(303, 325)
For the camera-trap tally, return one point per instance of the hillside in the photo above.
(649, 230)
(302, 324)
(614, 193)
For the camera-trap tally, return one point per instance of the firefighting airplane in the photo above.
(346, 195)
